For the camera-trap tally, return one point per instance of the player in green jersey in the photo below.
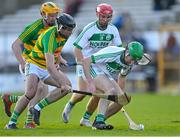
(100, 69)
(23, 45)
(41, 65)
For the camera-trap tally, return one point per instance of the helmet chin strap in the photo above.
(59, 31)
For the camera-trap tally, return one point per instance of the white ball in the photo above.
(141, 126)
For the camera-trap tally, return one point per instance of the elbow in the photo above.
(13, 46)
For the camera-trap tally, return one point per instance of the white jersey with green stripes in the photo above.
(92, 39)
(110, 61)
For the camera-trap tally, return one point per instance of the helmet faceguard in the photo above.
(66, 20)
(104, 13)
(49, 12)
(135, 50)
(66, 25)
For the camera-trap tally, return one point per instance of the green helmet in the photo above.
(135, 50)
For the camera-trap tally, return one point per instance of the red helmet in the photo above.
(104, 8)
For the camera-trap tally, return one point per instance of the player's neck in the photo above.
(100, 26)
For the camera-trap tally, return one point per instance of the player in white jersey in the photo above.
(106, 63)
(94, 37)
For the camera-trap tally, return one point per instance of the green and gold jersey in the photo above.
(48, 42)
(30, 35)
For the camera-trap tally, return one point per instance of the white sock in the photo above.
(37, 107)
(11, 122)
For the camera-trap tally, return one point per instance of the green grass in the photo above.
(159, 113)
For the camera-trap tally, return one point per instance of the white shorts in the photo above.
(94, 70)
(41, 73)
(22, 73)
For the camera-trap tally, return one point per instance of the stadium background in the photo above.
(154, 23)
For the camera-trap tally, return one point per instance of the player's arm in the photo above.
(18, 44)
(61, 61)
(122, 77)
(17, 50)
(79, 44)
(86, 67)
(78, 54)
(121, 81)
(51, 67)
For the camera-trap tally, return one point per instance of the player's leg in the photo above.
(112, 109)
(75, 98)
(52, 97)
(31, 87)
(90, 108)
(42, 91)
(8, 100)
(103, 83)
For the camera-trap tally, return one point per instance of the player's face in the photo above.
(65, 31)
(104, 19)
(51, 18)
(129, 60)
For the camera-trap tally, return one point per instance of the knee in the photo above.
(42, 89)
(127, 99)
(64, 92)
(112, 91)
(28, 96)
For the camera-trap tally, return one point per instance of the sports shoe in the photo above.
(66, 113)
(11, 126)
(7, 104)
(85, 122)
(101, 126)
(29, 125)
(36, 115)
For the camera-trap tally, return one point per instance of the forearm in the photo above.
(121, 82)
(86, 68)
(55, 74)
(58, 76)
(78, 55)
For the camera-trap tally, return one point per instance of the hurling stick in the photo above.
(123, 99)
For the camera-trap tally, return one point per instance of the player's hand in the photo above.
(57, 66)
(63, 62)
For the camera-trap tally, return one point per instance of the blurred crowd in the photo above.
(163, 4)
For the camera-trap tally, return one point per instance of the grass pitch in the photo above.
(160, 115)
